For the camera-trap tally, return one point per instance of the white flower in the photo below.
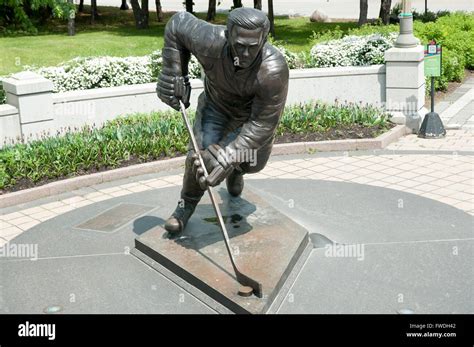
(352, 51)
(98, 72)
(293, 60)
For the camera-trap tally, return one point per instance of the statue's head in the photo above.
(247, 31)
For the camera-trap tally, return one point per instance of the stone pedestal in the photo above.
(405, 86)
(31, 94)
(267, 246)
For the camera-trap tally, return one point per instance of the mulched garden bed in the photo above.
(354, 131)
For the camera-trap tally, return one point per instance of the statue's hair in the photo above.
(248, 18)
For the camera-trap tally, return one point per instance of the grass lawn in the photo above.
(114, 34)
(296, 33)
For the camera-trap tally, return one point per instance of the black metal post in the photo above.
(432, 126)
(432, 93)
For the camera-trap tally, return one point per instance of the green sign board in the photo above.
(432, 59)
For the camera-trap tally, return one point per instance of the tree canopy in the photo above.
(22, 15)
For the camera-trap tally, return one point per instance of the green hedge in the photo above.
(147, 138)
(456, 35)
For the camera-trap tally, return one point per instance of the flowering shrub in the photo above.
(352, 51)
(194, 68)
(97, 72)
(156, 60)
(101, 72)
(294, 60)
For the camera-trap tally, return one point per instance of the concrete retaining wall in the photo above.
(32, 108)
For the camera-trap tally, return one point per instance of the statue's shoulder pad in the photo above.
(210, 42)
(273, 63)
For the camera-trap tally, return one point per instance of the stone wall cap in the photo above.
(405, 54)
(27, 82)
(26, 75)
(8, 110)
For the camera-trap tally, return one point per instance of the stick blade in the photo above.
(247, 281)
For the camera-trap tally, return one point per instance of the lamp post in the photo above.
(405, 38)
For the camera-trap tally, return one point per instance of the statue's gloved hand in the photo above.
(218, 164)
(172, 86)
(171, 89)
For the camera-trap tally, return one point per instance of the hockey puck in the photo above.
(245, 291)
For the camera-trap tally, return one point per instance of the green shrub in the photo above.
(452, 70)
(463, 44)
(155, 63)
(454, 32)
(369, 29)
(327, 35)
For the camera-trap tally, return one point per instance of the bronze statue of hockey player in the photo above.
(245, 89)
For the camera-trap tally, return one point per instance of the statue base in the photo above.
(267, 245)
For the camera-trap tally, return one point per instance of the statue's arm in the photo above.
(184, 34)
(267, 108)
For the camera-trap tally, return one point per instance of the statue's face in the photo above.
(245, 45)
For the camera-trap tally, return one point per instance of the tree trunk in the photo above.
(384, 14)
(71, 27)
(257, 4)
(81, 6)
(140, 14)
(211, 11)
(271, 18)
(145, 11)
(237, 3)
(189, 6)
(363, 12)
(94, 14)
(124, 5)
(159, 11)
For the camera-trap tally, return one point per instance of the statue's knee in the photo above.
(257, 161)
(250, 169)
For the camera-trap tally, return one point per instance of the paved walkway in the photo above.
(446, 178)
